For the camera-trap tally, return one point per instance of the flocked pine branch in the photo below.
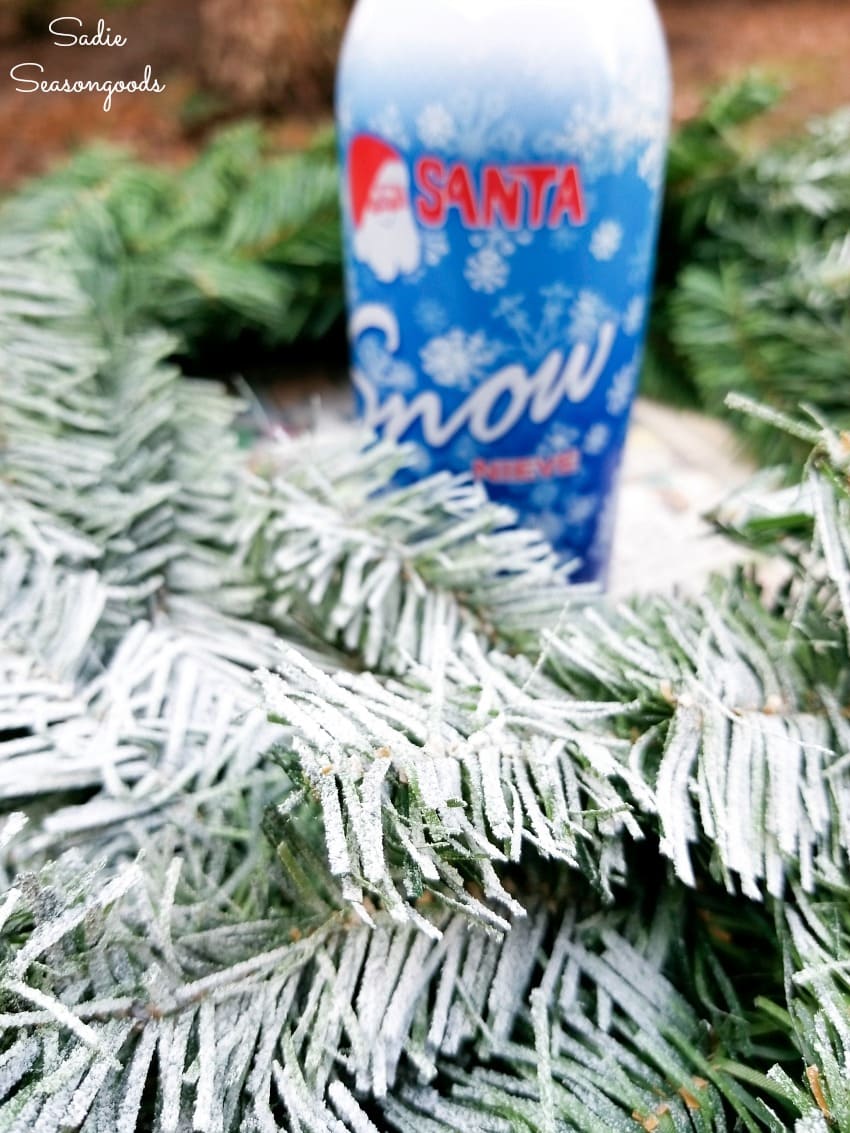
(377, 573)
(426, 793)
(202, 900)
(121, 451)
(815, 936)
(376, 1026)
(740, 734)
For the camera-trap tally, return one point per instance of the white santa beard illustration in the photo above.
(388, 241)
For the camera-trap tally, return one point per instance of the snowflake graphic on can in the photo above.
(511, 308)
(612, 132)
(581, 509)
(382, 369)
(436, 126)
(485, 125)
(498, 241)
(545, 494)
(555, 299)
(390, 124)
(431, 316)
(606, 241)
(435, 248)
(560, 438)
(487, 271)
(635, 315)
(457, 359)
(589, 313)
(597, 440)
(622, 389)
(582, 136)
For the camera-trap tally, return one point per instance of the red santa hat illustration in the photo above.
(368, 157)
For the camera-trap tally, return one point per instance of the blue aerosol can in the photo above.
(503, 169)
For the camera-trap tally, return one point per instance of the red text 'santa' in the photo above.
(515, 196)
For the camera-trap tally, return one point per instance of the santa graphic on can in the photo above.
(386, 237)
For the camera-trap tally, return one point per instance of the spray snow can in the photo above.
(503, 167)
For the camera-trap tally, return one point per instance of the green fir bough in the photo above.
(754, 267)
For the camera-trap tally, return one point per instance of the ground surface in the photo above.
(805, 41)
